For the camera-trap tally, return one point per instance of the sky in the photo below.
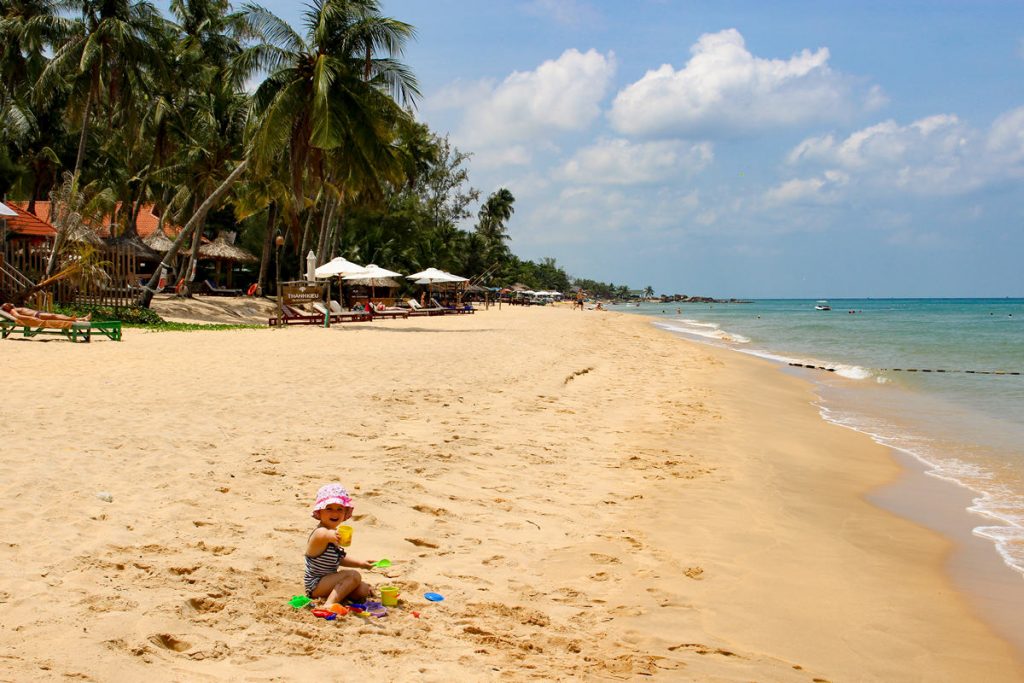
(740, 149)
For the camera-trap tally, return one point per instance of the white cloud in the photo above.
(820, 190)
(559, 96)
(935, 155)
(724, 88)
(620, 162)
(1006, 137)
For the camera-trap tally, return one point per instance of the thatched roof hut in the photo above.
(134, 244)
(158, 241)
(221, 250)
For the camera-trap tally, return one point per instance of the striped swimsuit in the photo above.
(320, 566)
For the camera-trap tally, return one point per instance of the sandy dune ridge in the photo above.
(596, 500)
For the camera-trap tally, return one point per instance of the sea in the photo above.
(941, 380)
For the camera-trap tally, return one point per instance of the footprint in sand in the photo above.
(169, 642)
(604, 559)
(426, 509)
(695, 573)
(204, 604)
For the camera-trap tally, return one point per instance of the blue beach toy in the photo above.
(433, 597)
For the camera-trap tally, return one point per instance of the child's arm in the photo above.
(358, 564)
(318, 541)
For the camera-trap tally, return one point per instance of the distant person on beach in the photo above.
(580, 297)
(324, 553)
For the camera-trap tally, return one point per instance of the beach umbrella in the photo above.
(337, 266)
(310, 266)
(371, 272)
(429, 276)
(374, 276)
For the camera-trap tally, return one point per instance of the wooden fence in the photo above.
(116, 289)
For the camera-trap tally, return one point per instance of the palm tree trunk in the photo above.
(325, 221)
(147, 293)
(85, 130)
(305, 243)
(268, 245)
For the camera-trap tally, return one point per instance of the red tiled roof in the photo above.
(147, 222)
(27, 224)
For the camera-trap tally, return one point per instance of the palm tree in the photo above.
(495, 212)
(332, 100)
(106, 51)
(648, 291)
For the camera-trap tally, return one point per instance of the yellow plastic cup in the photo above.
(389, 596)
(344, 536)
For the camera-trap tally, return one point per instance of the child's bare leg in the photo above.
(362, 591)
(336, 587)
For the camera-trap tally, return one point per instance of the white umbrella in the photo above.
(374, 276)
(425, 277)
(310, 266)
(6, 210)
(371, 272)
(337, 266)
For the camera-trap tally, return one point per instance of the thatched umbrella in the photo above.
(158, 241)
(220, 250)
(133, 244)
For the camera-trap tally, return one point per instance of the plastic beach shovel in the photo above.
(380, 564)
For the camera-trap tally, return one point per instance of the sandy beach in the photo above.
(595, 499)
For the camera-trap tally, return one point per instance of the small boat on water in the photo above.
(822, 305)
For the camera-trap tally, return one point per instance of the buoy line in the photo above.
(966, 372)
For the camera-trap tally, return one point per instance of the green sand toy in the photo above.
(380, 564)
(299, 601)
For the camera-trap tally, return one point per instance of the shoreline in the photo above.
(975, 564)
(593, 498)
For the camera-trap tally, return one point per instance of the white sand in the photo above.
(595, 499)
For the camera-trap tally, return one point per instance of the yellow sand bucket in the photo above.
(389, 596)
(344, 536)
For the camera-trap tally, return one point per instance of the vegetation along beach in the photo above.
(394, 340)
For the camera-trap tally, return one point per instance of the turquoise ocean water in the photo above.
(964, 426)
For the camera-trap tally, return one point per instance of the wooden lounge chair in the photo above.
(216, 290)
(416, 310)
(339, 315)
(293, 316)
(384, 313)
(76, 331)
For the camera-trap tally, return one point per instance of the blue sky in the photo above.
(782, 149)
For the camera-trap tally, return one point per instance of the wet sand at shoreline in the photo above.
(595, 499)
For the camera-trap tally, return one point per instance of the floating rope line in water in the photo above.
(966, 372)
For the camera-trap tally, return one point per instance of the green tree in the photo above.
(333, 99)
(102, 59)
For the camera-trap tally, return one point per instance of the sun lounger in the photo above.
(384, 313)
(216, 290)
(342, 316)
(293, 316)
(77, 331)
(416, 310)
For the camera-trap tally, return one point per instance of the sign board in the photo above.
(302, 294)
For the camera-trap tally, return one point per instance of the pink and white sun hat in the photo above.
(331, 494)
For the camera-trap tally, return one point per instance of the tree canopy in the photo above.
(305, 133)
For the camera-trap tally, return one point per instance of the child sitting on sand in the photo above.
(324, 553)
